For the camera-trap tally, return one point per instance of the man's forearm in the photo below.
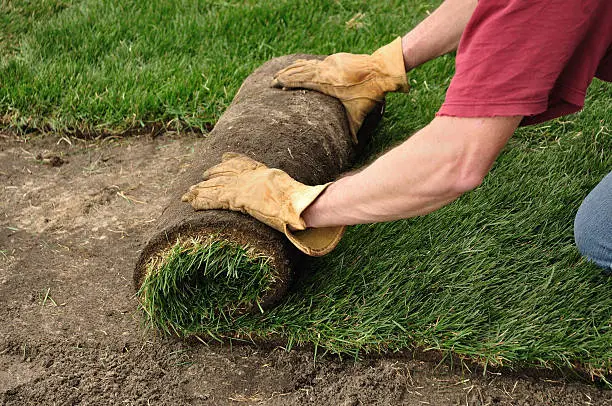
(429, 170)
(438, 34)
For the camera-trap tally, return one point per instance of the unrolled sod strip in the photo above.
(201, 265)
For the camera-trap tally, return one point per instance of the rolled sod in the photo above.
(198, 266)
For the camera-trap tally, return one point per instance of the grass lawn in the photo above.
(494, 277)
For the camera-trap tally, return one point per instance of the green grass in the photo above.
(194, 283)
(493, 277)
(94, 65)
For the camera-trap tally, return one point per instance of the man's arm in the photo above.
(438, 34)
(435, 166)
(432, 168)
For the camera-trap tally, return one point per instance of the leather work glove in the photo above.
(359, 81)
(270, 195)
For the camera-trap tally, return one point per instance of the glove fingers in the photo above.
(206, 195)
(233, 164)
(298, 63)
(305, 76)
(239, 160)
(204, 203)
(231, 155)
(300, 80)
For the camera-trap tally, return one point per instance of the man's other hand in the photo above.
(359, 81)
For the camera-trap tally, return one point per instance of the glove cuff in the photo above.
(316, 242)
(391, 57)
(311, 241)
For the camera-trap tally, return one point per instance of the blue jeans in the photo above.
(593, 225)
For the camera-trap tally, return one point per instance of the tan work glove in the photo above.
(359, 81)
(270, 195)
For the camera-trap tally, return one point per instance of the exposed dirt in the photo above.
(71, 228)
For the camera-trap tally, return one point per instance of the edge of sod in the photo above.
(198, 280)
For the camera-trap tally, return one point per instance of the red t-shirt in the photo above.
(532, 58)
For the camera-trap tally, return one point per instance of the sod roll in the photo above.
(201, 265)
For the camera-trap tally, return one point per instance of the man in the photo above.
(518, 62)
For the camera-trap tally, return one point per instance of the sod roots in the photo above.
(199, 267)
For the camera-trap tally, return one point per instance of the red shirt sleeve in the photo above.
(533, 58)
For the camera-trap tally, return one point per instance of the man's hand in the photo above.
(270, 195)
(359, 81)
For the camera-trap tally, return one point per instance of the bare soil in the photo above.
(73, 214)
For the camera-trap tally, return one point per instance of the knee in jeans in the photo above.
(590, 240)
(592, 226)
(583, 233)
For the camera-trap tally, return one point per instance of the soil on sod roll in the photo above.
(304, 133)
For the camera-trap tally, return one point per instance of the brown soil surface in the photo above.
(73, 215)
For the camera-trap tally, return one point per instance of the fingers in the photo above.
(301, 74)
(231, 155)
(206, 195)
(296, 64)
(188, 197)
(215, 192)
(276, 83)
(232, 164)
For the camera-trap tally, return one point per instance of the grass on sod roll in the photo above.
(196, 282)
(493, 277)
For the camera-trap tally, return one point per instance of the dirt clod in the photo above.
(52, 160)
